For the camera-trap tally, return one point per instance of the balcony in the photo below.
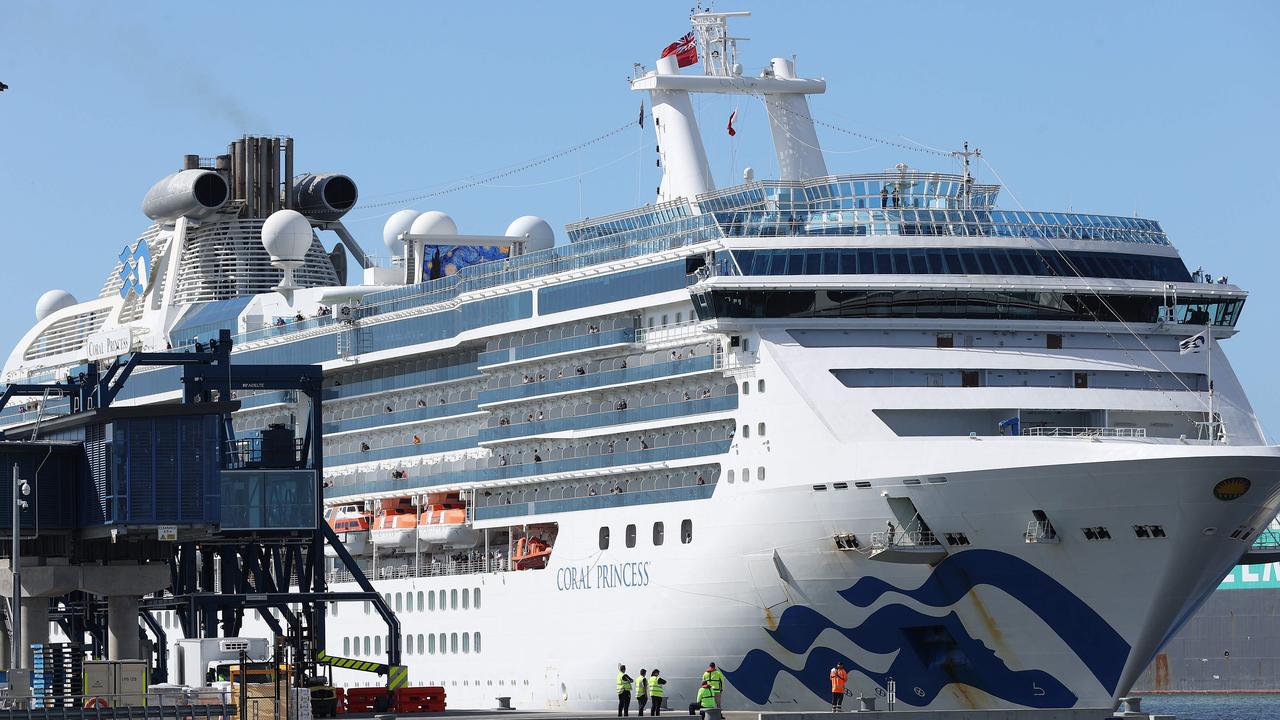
(588, 381)
(912, 547)
(589, 341)
(399, 451)
(614, 417)
(596, 502)
(430, 412)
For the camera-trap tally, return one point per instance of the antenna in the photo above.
(964, 156)
(719, 52)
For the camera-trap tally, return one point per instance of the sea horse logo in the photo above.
(135, 269)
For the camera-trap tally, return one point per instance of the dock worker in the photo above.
(642, 691)
(715, 680)
(624, 692)
(839, 676)
(656, 692)
(706, 700)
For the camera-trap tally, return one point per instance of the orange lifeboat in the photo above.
(395, 525)
(444, 523)
(352, 526)
(531, 553)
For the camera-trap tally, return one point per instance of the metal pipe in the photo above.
(275, 174)
(288, 173)
(250, 153)
(264, 177)
(15, 559)
(237, 169)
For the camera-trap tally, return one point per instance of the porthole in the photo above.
(421, 645)
(631, 536)
(760, 473)
(475, 642)
(466, 598)
(746, 431)
(686, 531)
(377, 644)
(604, 538)
(475, 598)
(658, 533)
(730, 476)
(453, 643)
(431, 644)
(466, 643)
(431, 600)
(746, 388)
(760, 385)
(760, 429)
(346, 646)
(746, 474)
(453, 599)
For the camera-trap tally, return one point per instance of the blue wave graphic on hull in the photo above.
(1089, 636)
(931, 654)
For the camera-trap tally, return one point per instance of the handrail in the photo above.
(1088, 432)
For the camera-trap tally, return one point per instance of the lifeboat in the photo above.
(531, 553)
(444, 523)
(394, 527)
(352, 526)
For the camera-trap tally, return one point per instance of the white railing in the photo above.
(1116, 432)
(426, 568)
(904, 539)
(1039, 531)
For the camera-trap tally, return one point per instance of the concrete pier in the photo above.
(122, 627)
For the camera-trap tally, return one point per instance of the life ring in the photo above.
(96, 702)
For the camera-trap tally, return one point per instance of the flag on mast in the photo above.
(641, 113)
(732, 116)
(685, 50)
(1195, 343)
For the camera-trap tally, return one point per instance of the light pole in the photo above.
(20, 487)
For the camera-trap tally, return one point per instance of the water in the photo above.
(1214, 707)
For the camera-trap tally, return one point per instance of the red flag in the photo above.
(685, 50)
(732, 116)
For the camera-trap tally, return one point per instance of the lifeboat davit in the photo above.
(352, 526)
(395, 525)
(531, 553)
(444, 523)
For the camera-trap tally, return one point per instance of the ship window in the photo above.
(760, 429)
(399, 602)
(760, 473)
(346, 646)
(946, 340)
(604, 538)
(746, 344)
(431, 644)
(466, 643)
(475, 643)
(650, 321)
(746, 474)
(686, 531)
(443, 647)
(631, 536)
(969, 378)
(1082, 380)
(746, 431)
(440, 598)
(453, 599)
(1053, 341)
(760, 385)
(408, 647)
(466, 598)
(664, 319)
(658, 533)
(431, 600)
(366, 607)
(679, 318)
(475, 598)
(366, 645)
(421, 607)
(421, 645)
(746, 388)
(453, 643)
(377, 644)
(730, 476)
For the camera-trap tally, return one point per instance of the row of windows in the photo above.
(746, 474)
(431, 600)
(659, 534)
(746, 384)
(949, 303)
(420, 644)
(959, 261)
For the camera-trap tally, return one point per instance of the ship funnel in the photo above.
(326, 197)
(193, 194)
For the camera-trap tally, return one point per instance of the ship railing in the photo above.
(909, 538)
(1085, 432)
(428, 567)
(1040, 531)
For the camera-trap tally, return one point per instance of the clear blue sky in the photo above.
(1166, 110)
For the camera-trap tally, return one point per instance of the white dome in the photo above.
(433, 222)
(537, 233)
(397, 224)
(53, 301)
(286, 235)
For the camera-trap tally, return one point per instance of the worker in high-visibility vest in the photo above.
(706, 699)
(839, 676)
(715, 680)
(656, 692)
(642, 691)
(624, 692)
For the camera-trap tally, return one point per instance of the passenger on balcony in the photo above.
(298, 317)
(364, 447)
(388, 408)
(417, 439)
(621, 404)
(686, 395)
(422, 403)
(701, 480)
(580, 370)
(536, 457)
(539, 418)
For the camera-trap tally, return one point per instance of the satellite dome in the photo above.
(433, 222)
(53, 301)
(537, 233)
(397, 224)
(286, 235)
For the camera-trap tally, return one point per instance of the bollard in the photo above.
(866, 704)
(1131, 705)
(504, 702)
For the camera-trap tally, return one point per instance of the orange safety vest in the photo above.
(839, 676)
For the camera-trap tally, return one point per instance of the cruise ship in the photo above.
(987, 458)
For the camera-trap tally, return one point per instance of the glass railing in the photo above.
(352, 484)
(612, 417)
(555, 347)
(430, 412)
(399, 451)
(401, 381)
(267, 398)
(596, 502)
(598, 379)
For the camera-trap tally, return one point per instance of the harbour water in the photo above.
(1253, 706)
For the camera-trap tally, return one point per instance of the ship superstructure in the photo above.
(868, 417)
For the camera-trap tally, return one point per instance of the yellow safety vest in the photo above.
(642, 686)
(706, 698)
(714, 679)
(624, 685)
(655, 686)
